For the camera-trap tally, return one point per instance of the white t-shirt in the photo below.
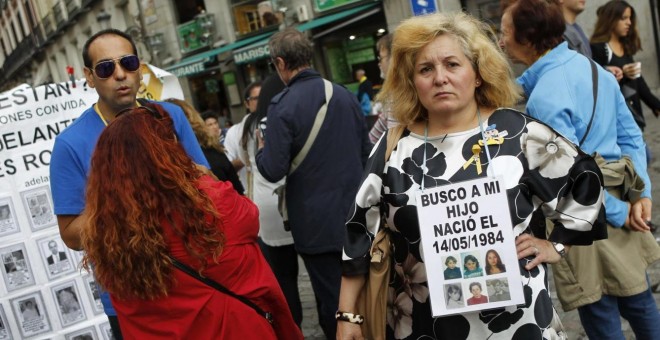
(271, 226)
(233, 147)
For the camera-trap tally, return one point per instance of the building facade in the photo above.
(218, 47)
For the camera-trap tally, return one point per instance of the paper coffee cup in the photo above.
(638, 69)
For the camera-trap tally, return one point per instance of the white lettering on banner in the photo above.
(460, 224)
(189, 69)
(25, 95)
(30, 120)
(251, 54)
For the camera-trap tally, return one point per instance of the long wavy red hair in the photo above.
(141, 181)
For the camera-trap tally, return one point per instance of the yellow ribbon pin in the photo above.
(476, 150)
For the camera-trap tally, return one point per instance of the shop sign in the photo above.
(422, 7)
(190, 36)
(190, 69)
(252, 53)
(323, 5)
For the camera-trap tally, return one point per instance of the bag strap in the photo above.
(594, 79)
(186, 269)
(320, 116)
(392, 139)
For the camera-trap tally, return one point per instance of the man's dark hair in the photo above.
(209, 114)
(292, 46)
(85, 52)
(248, 89)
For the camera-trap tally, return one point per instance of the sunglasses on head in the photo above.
(106, 68)
(151, 111)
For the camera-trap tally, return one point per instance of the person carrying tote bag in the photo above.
(372, 300)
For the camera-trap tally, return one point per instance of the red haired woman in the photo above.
(148, 201)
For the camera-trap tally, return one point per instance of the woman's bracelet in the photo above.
(349, 317)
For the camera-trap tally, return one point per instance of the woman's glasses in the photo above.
(105, 69)
(151, 111)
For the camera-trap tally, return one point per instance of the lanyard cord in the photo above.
(426, 136)
(98, 112)
(483, 136)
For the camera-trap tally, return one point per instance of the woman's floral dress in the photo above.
(543, 172)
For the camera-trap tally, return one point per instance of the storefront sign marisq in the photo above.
(252, 53)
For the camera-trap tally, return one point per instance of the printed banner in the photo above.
(469, 248)
(42, 291)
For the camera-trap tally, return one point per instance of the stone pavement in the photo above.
(571, 320)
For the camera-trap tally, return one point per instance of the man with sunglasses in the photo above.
(112, 68)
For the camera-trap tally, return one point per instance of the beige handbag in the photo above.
(372, 300)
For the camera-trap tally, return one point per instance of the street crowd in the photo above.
(191, 238)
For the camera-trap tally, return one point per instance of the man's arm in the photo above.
(70, 228)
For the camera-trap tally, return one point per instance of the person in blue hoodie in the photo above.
(608, 278)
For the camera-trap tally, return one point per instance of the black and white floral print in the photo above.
(542, 172)
(552, 155)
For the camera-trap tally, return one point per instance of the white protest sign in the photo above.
(469, 248)
(42, 292)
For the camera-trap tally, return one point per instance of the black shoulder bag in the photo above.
(186, 269)
(594, 79)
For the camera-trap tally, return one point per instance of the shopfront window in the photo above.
(254, 15)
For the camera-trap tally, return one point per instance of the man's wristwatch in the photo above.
(559, 248)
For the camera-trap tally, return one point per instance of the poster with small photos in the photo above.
(106, 331)
(8, 220)
(69, 306)
(55, 256)
(16, 270)
(94, 294)
(88, 333)
(30, 314)
(5, 330)
(39, 208)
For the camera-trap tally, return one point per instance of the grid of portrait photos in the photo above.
(44, 293)
(474, 277)
(63, 300)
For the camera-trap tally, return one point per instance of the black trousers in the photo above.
(283, 260)
(325, 274)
